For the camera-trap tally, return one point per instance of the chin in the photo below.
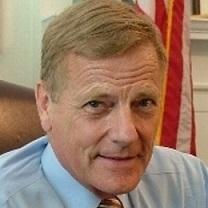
(116, 187)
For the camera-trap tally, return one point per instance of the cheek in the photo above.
(149, 126)
(75, 136)
(76, 146)
(147, 130)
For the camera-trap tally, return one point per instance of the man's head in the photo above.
(99, 98)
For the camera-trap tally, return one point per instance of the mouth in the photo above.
(118, 161)
(117, 158)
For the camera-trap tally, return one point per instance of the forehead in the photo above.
(137, 66)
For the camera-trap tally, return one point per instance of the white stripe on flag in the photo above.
(185, 121)
(148, 6)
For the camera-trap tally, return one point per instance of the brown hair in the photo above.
(94, 29)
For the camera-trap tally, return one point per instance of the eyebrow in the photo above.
(95, 91)
(100, 92)
(148, 91)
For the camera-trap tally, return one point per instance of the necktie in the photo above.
(111, 203)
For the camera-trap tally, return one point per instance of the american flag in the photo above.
(177, 126)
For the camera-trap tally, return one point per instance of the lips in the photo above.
(117, 157)
(118, 163)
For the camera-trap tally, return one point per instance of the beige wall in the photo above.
(21, 25)
(200, 75)
(20, 41)
(51, 7)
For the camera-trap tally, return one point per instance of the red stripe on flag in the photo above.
(174, 79)
(161, 18)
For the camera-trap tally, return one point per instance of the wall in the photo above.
(20, 41)
(52, 7)
(200, 74)
(21, 26)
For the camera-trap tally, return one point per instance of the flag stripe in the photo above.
(161, 20)
(174, 76)
(186, 124)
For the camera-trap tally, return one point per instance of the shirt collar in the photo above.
(71, 192)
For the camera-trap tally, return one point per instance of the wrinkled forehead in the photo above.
(138, 68)
(138, 56)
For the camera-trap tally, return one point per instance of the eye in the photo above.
(146, 102)
(94, 104)
(145, 105)
(96, 107)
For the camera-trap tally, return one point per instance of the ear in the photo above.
(43, 103)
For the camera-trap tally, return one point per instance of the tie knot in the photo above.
(113, 202)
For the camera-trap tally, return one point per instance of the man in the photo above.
(99, 101)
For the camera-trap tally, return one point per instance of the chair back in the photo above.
(19, 120)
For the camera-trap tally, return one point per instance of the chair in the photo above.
(19, 121)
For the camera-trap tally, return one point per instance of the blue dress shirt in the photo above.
(32, 177)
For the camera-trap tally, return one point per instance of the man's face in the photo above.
(102, 128)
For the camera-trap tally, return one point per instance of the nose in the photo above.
(124, 127)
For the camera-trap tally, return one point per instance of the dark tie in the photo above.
(111, 203)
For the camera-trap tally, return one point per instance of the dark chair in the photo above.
(19, 121)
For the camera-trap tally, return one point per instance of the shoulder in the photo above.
(20, 168)
(169, 160)
(179, 177)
